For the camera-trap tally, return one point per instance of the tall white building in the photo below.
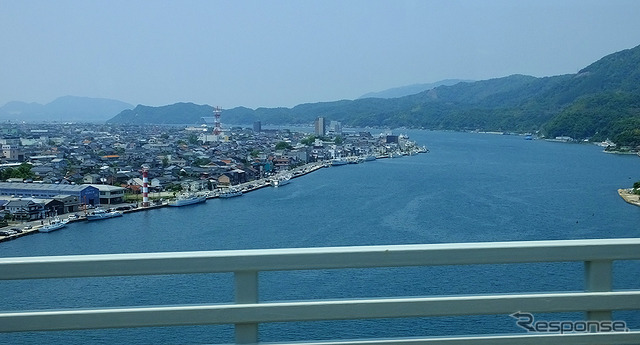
(321, 126)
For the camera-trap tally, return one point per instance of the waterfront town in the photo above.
(68, 171)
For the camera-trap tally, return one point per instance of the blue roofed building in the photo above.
(86, 194)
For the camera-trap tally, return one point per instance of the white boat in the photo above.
(353, 160)
(55, 224)
(187, 199)
(100, 213)
(281, 181)
(229, 194)
(338, 162)
(370, 158)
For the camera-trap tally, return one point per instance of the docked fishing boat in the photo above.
(280, 181)
(100, 213)
(187, 199)
(229, 194)
(338, 162)
(354, 160)
(55, 224)
(423, 149)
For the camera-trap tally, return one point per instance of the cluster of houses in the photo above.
(33, 201)
(72, 161)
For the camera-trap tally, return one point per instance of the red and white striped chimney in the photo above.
(145, 186)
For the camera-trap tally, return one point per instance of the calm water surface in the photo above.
(469, 188)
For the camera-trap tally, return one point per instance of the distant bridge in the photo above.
(597, 300)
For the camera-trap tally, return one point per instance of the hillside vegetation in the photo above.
(600, 101)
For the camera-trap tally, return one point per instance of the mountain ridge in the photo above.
(601, 101)
(412, 89)
(65, 108)
(597, 103)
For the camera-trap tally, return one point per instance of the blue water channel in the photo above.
(470, 188)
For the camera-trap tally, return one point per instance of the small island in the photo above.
(631, 195)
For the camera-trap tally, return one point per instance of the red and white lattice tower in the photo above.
(217, 130)
(145, 186)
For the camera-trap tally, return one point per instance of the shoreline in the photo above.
(243, 187)
(633, 199)
(622, 152)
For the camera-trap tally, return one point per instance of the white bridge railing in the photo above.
(598, 300)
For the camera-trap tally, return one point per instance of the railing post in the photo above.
(598, 278)
(246, 286)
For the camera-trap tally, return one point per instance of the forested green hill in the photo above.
(600, 101)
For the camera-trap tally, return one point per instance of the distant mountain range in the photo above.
(412, 89)
(600, 101)
(179, 113)
(67, 108)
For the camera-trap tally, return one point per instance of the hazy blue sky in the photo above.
(282, 53)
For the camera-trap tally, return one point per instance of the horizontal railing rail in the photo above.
(598, 300)
(316, 310)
